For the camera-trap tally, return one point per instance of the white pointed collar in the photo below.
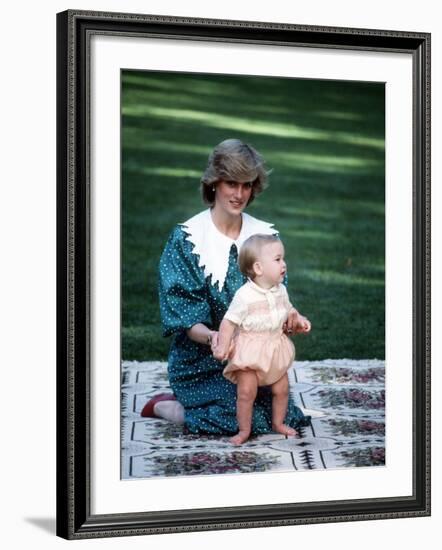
(213, 247)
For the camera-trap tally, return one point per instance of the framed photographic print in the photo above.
(179, 140)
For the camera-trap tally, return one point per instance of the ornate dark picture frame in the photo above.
(74, 517)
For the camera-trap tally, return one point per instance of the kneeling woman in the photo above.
(198, 277)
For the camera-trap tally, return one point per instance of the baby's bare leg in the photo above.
(280, 392)
(247, 388)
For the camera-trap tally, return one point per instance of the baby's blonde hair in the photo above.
(250, 251)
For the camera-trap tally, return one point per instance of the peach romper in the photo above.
(259, 342)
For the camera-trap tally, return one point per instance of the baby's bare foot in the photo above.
(239, 438)
(284, 429)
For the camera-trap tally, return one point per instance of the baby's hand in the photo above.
(220, 353)
(290, 325)
(303, 325)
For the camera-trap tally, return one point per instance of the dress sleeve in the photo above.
(237, 310)
(182, 286)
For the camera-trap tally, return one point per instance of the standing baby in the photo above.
(251, 335)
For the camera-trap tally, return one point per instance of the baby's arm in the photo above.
(295, 321)
(300, 323)
(225, 334)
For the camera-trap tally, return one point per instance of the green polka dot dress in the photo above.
(187, 296)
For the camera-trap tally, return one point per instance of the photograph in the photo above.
(243, 306)
(221, 227)
(253, 274)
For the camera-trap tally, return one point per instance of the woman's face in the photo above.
(232, 196)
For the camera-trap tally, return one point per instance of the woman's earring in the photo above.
(213, 189)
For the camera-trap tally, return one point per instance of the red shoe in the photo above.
(148, 407)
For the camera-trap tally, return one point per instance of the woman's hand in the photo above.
(221, 353)
(222, 342)
(203, 335)
(213, 340)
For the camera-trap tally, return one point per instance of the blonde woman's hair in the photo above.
(250, 251)
(233, 160)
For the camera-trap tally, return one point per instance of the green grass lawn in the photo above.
(324, 141)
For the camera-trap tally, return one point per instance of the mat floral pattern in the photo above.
(346, 399)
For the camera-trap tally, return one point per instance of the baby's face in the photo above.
(272, 263)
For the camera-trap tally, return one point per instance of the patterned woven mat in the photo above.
(346, 399)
